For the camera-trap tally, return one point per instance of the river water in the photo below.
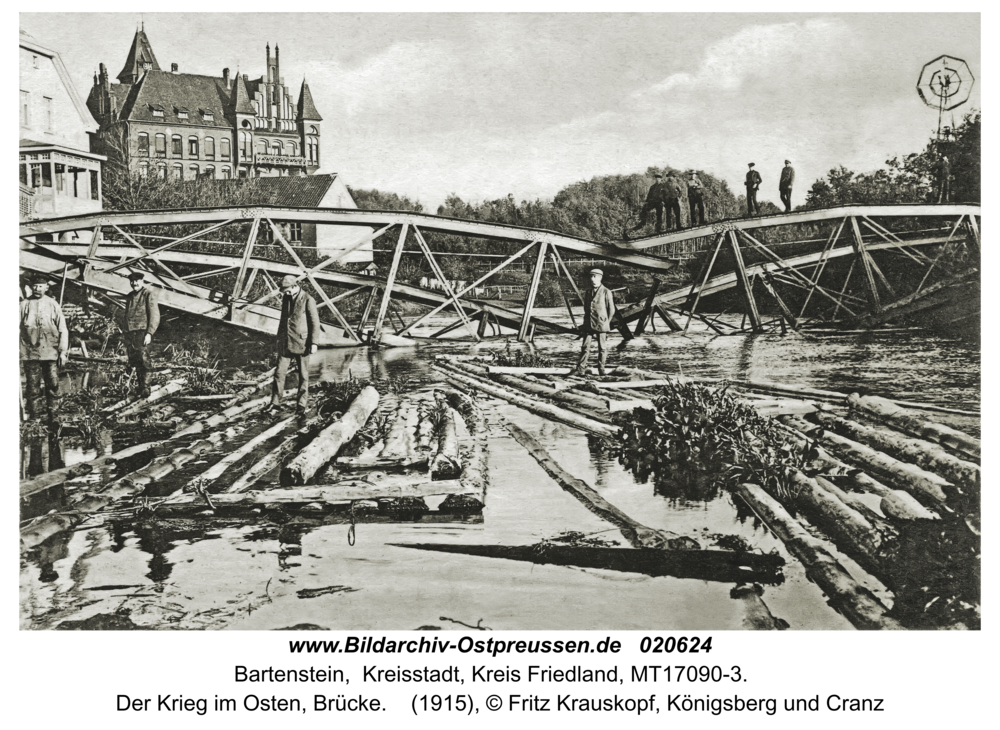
(190, 574)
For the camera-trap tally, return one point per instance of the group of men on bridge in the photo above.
(664, 196)
(44, 341)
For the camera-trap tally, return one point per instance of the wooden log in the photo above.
(272, 459)
(911, 478)
(887, 412)
(325, 446)
(637, 534)
(543, 409)
(895, 503)
(758, 616)
(401, 443)
(217, 419)
(203, 398)
(131, 484)
(447, 463)
(590, 407)
(248, 391)
(925, 454)
(855, 602)
(127, 407)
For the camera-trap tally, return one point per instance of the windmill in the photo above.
(945, 84)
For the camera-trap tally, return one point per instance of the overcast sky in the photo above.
(486, 105)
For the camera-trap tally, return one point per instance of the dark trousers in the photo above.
(644, 216)
(602, 353)
(786, 197)
(673, 213)
(697, 206)
(752, 205)
(41, 378)
(281, 371)
(138, 356)
(944, 191)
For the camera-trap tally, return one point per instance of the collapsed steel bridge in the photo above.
(98, 251)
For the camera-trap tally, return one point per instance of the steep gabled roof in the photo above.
(241, 99)
(139, 54)
(284, 192)
(171, 92)
(307, 110)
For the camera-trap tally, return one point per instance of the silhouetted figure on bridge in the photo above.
(785, 185)
(696, 202)
(752, 183)
(944, 180)
(654, 201)
(673, 191)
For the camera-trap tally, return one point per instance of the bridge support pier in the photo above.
(524, 334)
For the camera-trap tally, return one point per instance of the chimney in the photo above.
(173, 68)
(225, 76)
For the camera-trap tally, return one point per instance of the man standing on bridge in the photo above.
(785, 185)
(598, 309)
(944, 180)
(142, 317)
(673, 190)
(298, 330)
(44, 342)
(695, 202)
(752, 184)
(654, 201)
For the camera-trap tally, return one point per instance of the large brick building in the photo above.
(184, 126)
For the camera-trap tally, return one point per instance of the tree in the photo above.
(378, 200)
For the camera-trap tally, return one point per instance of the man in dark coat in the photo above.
(598, 309)
(655, 199)
(141, 318)
(673, 191)
(785, 185)
(944, 180)
(44, 343)
(695, 200)
(752, 184)
(298, 330)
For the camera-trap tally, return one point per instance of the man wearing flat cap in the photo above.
(142, 317)
(598, 309)
(44, 343)
(298, 330)
(785, 185)
(752, 183)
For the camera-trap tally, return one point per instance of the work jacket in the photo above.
(753, 179)
(787, 177)
(142, 313)
(598, 309)
(43, 329)
(299, 324)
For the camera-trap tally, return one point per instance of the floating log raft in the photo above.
(325, 446)
(888, 412)
(446, 463)
(854, 601)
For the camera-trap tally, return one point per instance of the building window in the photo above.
(263, 146)
(276, 148)
(194, 172)
(95, 189)
(209, 148)
(225, 173)
(246, 151)
(177, 146)
(225, 148)
(192, 146)
(143, 144)
(292, 149)
(210, 172)
(182, 113)
(41, 176)
(143, 169)
(61, 179)
(295, 233)
(161, 171)
(178, 171)
(207, 115)
(23, 170)
(47, 107)
(161, 145)
(157, 110)
(313, 150)
(25, 108)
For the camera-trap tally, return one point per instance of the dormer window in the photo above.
(147, 66)
(207, 115)
(157, 110)
(182, 113)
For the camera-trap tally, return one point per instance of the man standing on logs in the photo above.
(297, 332)
(752, 184)
(44, 342)
(785, 185)
(142, 317)
(598, 309)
